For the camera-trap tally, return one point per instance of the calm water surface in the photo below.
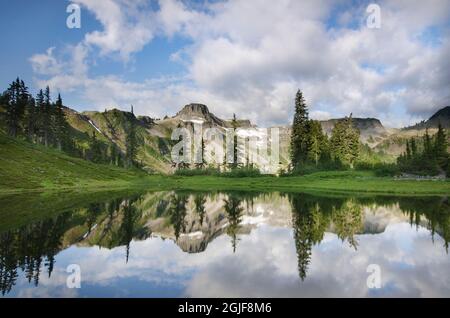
(229, 244)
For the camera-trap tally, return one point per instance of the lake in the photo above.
(223, 244)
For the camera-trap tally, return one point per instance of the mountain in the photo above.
(371, 130)
(395, 143)
(199, 113)
(154, 135)
(442, 116)
(109, 127)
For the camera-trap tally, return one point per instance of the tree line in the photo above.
(42, 121)
(38, 119)
(427, 155)
(311, 146)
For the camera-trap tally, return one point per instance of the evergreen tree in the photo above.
(17, 98)
(235, 125)
(317, 142)
(30, 119)
(408, 151)
(130, 141)
(47, 123)
(344, 142)
(39, 116)
(427, 146)
(300, 132)
(95, 149)
(202, 164)
(413, 146)
(62, 133)
(440, 147)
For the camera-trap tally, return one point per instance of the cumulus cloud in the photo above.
(249, 58)
(127, 26)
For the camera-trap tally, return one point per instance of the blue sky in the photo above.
(243, 57)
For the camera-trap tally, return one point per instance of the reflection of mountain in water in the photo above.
(193, 220)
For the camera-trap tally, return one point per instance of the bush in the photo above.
(380, 169)
(197, 172)
(310, 168)
(242, 172)
(233, 173)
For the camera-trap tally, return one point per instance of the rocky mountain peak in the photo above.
(194, 110)
(198, 113)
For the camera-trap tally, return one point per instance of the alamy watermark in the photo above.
(374, 16)
(214, 146)
(374, 279)
(74, 19)
(74, 279)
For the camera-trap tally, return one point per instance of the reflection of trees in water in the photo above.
(200, 201)
(435, 212)
(127, 227)
(348, 221)
(34, 247)
(27, 248)
(31, 249)
(312, 216)
(431, 212)
(233, 211)
(177, 212)
(309, 224)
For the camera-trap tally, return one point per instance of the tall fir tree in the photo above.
(344, 142)
(408, 150)
(39, 124)
(300, 132)
(47, 122)
(61, 126)
(427, 146)
(234, 125)
(30, 120)
(413, 146)
(130, 141)
(317, 142)
(441, 147)
(95, 149)
(17, 98)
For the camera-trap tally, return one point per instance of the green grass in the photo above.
(25, 167)
(329, 182)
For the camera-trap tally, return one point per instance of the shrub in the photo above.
(197, 172)
(242, 172)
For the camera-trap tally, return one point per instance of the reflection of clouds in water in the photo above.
(336, 269)
(264, 265)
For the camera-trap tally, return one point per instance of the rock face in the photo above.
(362, 124)
(199, 113)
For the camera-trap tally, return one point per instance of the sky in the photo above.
(247, 57)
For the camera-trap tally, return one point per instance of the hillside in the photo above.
(371, 130)
(154, 135)
(109, 127)
(27, 166)
(442, 116)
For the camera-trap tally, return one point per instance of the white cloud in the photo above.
(46, 64)
(127, 26)
(249, 58)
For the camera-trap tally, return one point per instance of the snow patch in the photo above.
(93, 125)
